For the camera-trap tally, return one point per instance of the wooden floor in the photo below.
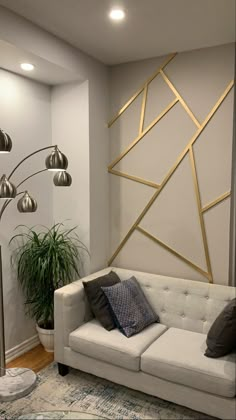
(35, 359)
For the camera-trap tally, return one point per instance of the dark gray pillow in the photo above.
(98, 302)
(221, 338)
(130, 308)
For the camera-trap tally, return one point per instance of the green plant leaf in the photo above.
(45, 261)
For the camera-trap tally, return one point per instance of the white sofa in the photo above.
(165, 360)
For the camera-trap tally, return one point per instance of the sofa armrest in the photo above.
(71, 310)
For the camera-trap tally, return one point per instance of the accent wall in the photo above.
(171, 128)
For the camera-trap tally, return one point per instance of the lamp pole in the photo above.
(2, 328)
(18, 382)
(232, 248)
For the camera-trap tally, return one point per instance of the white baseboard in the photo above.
(22, 348)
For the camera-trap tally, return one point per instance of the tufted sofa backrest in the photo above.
(185, 304)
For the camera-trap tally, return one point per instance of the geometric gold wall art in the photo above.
(187, 152)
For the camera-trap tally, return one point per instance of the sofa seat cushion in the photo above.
(93, 340)
(178, 356)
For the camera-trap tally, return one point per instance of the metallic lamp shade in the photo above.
(56, 161)
(5, 142)
(27, 204)
(62, 179)
(7, 189)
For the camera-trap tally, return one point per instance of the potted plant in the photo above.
(46, 261)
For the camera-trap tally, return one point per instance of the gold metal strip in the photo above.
(197, 134)
(182, 101)
(167, 61)
(129, 102)
(133, 227)
(123, 242)
(144, 101)
(199, 206)
(216, 201)
(140, 136)
(134, 178)
(218, 103)
(172, 251)
(172, 170)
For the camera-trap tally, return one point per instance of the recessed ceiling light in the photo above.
(117, 14)
(27, 66)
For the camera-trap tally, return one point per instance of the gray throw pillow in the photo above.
(129, 306)
(97, 300)
(221, 338)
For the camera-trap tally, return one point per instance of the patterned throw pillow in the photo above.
(129, 306)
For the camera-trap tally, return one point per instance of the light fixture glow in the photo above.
(27, 66)
(117, 14)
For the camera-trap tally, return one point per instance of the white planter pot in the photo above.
(46, 338)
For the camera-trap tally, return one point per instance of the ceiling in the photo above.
(151, 27)
(45, 72)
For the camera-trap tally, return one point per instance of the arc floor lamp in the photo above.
(15, 383)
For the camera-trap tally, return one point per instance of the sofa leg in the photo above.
(63, 370)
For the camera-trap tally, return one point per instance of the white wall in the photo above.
(25, 114)
(86, 117)
(70, 131)
(99, 178)
(79, 115)
(22, 33)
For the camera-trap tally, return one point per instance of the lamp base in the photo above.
(16, 383)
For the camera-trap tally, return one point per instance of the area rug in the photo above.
(79, 391)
